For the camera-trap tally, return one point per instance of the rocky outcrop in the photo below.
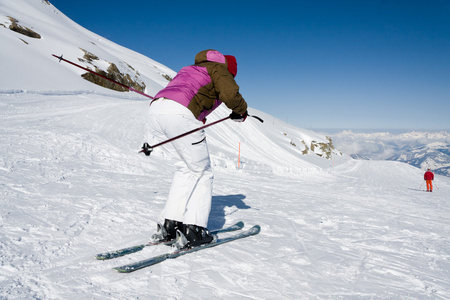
(322, 149)
(113, 73)
(22, 30)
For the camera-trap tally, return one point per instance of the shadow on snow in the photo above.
(223, 206)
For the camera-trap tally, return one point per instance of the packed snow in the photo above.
(73, 185)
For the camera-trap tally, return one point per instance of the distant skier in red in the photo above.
(429, 177)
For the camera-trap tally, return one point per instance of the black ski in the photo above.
(160, 258)
(137, 248)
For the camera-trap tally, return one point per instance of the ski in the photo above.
(137, 248)
(177, 253)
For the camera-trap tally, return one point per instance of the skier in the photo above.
(429, 177)
(193, 93)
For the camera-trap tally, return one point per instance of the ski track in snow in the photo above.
(73, 185)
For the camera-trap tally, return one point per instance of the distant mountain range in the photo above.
(435, 156)
(421, 149)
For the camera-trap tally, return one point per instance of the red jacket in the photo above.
(428, 175)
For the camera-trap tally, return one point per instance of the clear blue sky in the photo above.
(317, 64)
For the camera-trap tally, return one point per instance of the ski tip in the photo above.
(239, 224)
(255, 229)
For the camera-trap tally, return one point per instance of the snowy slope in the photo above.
(72, 185)
(60, 35)
(30, 59)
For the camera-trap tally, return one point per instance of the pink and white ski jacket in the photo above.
(202, 87)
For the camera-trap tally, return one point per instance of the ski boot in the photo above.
(168, 231)
(193, 236)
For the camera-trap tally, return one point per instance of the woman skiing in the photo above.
(181, 106)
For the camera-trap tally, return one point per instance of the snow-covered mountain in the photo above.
(37, 30)
(34, 30)
(421, 149)
(73, 185)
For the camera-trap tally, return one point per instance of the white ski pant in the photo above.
(190, 195)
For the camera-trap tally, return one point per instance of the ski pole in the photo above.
(104, 77)
(147, 149)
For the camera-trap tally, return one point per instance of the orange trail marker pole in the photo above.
(239, 156)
